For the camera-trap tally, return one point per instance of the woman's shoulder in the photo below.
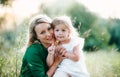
(34, 47)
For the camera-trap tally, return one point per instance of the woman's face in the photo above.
(44, 33)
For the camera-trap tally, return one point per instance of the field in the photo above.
(99, 63)
(103, 63)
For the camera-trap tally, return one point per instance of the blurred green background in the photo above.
(102, 38)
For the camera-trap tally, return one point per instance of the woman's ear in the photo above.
(36, 38)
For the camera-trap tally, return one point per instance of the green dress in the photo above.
(34, 62)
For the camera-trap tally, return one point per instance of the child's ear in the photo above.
(69, 33)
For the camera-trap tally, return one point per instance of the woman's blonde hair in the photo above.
(34, 22)
(65, 20)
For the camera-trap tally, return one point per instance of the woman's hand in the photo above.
(61, 51)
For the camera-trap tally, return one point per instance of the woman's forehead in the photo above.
(42, 26)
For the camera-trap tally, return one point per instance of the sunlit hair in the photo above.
(34, 22)
(65, 20)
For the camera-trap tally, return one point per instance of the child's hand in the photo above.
(51, 49)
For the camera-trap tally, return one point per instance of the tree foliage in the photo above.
(6, 2)
(114, 31)
(89, 25)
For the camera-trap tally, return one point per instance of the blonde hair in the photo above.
(65, 20)
(33, 23)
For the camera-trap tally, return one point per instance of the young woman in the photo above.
(34, 60)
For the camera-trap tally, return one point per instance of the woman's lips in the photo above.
(50, 39)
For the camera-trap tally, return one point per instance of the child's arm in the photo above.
(75, 55)
(50, 57)
(50, 60)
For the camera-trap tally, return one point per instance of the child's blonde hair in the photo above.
(65, 20)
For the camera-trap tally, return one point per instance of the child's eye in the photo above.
(57, 30)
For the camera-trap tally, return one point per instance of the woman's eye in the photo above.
(42, 32)
(63, 30)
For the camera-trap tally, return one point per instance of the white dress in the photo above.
(74, 69)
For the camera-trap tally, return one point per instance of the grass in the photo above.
(10, 63)
(103, 63)
(99, 63)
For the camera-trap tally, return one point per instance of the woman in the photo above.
(34, 60)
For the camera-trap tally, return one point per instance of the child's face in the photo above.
(61, 33)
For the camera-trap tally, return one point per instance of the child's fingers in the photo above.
(63, 51)
(58, 48)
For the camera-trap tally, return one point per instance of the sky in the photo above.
(104, 8)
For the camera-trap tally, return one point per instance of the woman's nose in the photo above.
(48, 33)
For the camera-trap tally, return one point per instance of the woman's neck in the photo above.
(46, 45)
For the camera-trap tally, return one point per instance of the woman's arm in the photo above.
(35, 63)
